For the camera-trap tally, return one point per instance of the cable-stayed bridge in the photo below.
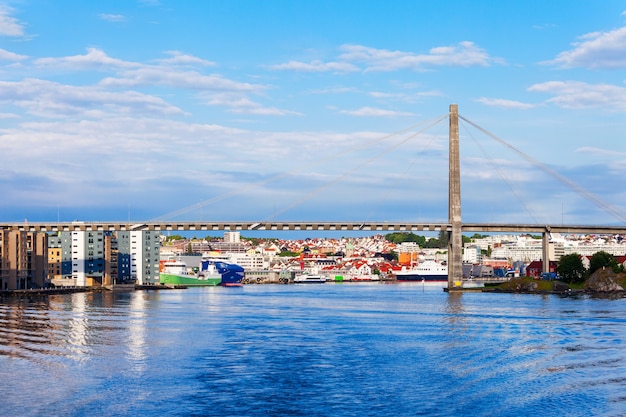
(454, 226)
(186, 226)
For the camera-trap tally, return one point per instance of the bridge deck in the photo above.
(313, 226)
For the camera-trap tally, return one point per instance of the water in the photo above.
(312, 350)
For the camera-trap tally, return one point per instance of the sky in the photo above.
(287, 110)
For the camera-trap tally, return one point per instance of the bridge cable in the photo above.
(499, 171)
(580, 190)
(285, 174)
(367, 162)
(408, 168)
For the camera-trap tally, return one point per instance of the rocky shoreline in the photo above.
(601, 282)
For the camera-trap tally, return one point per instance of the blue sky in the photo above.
(300, 110)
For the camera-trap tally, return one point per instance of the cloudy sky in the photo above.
(312, 110)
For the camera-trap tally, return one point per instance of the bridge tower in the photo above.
(455, 241)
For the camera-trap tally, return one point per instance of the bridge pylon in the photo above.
(455, 241)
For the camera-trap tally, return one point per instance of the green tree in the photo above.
(289, 254)
(399, 237)
(443, 239)
(603, 259)
(571, 268)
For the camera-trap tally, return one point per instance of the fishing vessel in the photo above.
(428, 271)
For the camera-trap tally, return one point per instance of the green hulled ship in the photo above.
(175, 272)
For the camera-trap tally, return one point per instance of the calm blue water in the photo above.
(318, 350)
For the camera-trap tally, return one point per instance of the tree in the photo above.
(571, 268)
(288, 254)
(443, 239)
(399, 237)
(603, 259)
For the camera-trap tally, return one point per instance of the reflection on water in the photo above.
(137, 332)
(340, 350)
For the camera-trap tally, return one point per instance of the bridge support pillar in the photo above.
(455, 241)
(545, 250)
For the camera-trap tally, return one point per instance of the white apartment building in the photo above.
(87, 249)
(527, 249)
(472, 254)
(232, 237)
(136, 256)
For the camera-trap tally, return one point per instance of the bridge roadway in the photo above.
(313, 226)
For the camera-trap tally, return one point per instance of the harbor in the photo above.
(340, 350)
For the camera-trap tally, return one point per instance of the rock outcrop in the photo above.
(604, 280)
(560, 287)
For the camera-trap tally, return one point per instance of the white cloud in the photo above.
(243, 105)
(178, 58)
(167, 73)
(335, 90)
(381, 94)
(598, 50)
(9, 25)
(94, 59)
(465, 54)
(408, 97)
(50, 99)
(508, 104)
(112, 17)
(590, 150)
(374, 112)
(152, 75)
(580, 95)
(544, 26)
(11, 56)
(316, 66)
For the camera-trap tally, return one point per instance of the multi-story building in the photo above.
(472, 254)
(145, 256)
(60, 259)
(23, 260)
(96, 258)
(232, 237)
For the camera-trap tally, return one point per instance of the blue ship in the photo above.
(232, 274)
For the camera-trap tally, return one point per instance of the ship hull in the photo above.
(231, 275)
(174, 279)
(420, 277)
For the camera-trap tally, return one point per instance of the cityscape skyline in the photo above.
(246, 110)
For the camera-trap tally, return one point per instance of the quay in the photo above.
(73, 290)
(44, 291)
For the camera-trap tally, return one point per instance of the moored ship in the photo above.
(307, 278)
(231, 275)
(210, 274)
(428, 271)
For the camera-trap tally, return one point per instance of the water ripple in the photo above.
(330, 350)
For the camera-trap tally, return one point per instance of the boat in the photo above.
(309, 279)
(428, 271)
(210, 274)
(231, 274)
(175, 272)
(365, 277)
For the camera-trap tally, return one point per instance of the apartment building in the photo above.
(98, 258)
(23, 260)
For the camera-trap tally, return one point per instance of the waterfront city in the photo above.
(92, 259)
